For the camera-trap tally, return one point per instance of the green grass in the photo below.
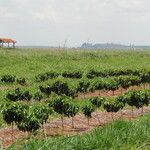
(120, 135)
(28, 63)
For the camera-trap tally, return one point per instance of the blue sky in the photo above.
(51, 22)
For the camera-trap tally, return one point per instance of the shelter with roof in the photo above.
(8, 42)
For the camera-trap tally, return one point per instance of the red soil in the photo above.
(54, 128)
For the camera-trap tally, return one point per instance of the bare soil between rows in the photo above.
(54, 128)
(110, 93)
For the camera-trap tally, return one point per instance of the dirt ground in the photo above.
(54, 128)
(110, 93)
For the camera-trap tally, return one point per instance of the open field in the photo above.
(28, 63)
(54, 73)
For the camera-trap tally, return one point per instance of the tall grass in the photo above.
(28, 63)
(120, 135)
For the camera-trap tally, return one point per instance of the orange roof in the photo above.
(6, 40)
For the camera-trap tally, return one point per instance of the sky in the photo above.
(56, 22)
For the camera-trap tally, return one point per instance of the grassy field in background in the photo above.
(120, 135)
(30, 62)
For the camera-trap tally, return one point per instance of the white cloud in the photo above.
(99, 20)
(5, 13)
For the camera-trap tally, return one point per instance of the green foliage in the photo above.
(87, 110)
(127, 81)
(46, 90)
(124, 81)
(60, 88)
(97, 85)
(36, 116)
(21, 81)
(111, 85)
(93, 73)
(115, 72)
(26, 96)
(71, 110)
(75, 74)
(38, 96)
(145, 76)
(138, 98)
(14, 112)
(111, 105)
(122, 99)
(18, 94)
(8, 78)
(29, 123)
(97, 101)
(83, 86)
(46, 76)
(61, 104)
(135, 80)
(41, 112)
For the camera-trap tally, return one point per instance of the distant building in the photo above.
(7, 42)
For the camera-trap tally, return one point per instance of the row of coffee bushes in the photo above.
(62, 87)
(93, 74)
(30, 118)
(12, 79)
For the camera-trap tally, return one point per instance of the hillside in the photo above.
(112, 46)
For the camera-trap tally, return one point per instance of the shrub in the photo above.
(60, 105)
(29, 124)
(8, 78)
(41, 112)
(26, 96)
(46, 90)
(83, 86)
(112, 85)
(71, 110)
(97, 85)
(45, 76)
(60, 88)
(87, 111)
(93, 73)
(41, 77)
(145, 76)
(74, 74)
(14, 113)
(38, 96)
(137, 98)
(97, 101)
(21, 81)
(111, 105)
(18, 94)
